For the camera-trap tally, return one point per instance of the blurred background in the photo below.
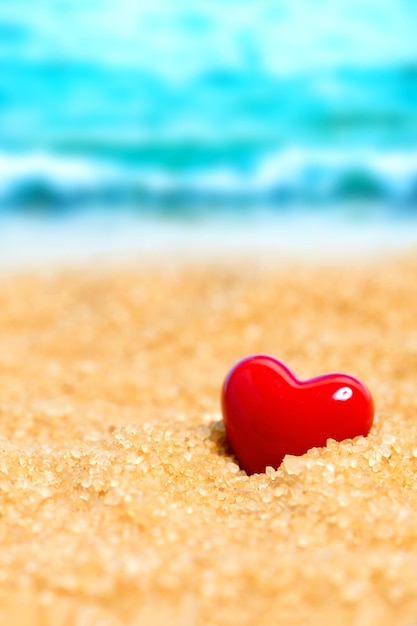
(138, 124)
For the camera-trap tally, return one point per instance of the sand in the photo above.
(121, 503)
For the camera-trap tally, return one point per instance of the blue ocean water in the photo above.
(176, 107)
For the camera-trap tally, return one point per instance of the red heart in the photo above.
(269, 413)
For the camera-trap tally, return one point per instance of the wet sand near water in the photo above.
(121, 503)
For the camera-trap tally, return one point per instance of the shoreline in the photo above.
(73, 240)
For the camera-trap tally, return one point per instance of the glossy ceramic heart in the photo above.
(269, 413)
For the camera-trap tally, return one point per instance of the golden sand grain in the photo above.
(120, 501)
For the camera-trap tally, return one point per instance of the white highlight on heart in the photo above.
(344, 393)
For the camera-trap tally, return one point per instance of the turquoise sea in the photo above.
(183, 109)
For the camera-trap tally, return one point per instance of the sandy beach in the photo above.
(121, 504)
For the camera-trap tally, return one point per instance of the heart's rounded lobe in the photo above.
(269, 413)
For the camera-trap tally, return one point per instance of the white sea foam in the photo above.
(288, 176)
